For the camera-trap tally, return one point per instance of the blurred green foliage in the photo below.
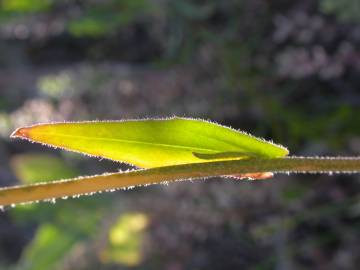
(345, 10)
(105, 17)
(69, 223)
(25, 6)
(29, 168)
(56, 86)
(43, 253)
(61, 227)
(126, 239)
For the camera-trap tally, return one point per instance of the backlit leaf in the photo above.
(153, 142)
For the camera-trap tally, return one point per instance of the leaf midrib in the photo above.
(132, 142)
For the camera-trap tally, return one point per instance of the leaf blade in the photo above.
(152, 142)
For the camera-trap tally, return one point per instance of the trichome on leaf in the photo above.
(164, 150)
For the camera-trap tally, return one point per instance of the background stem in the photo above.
(90, 184)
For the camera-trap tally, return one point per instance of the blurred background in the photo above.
(282, 70)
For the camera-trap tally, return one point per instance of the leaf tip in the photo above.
(20, 133)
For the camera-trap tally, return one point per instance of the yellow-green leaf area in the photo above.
(153, 142)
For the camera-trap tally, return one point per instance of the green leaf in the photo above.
(36, 167)
(153, 142)
(47, 248)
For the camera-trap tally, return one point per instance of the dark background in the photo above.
(282, 70)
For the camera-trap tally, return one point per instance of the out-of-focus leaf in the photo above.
(47, 248)
(105, 17)
(34, 167)
(188, 9)
(25, 5)
(125, 239)
(345, 10)
(153, 142)
(5, 123)
(55, 238)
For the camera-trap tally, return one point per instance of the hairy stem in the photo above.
(85, 185)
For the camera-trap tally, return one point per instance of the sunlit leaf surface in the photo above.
(153, 142)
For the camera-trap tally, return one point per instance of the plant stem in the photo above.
(90, 184)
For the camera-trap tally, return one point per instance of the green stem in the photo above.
(90, 184)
